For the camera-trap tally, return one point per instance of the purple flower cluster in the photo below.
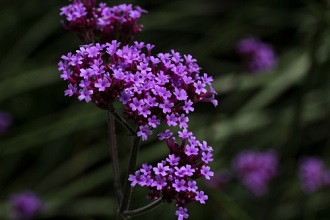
(257, 55)
(256, 169)
(174, 178)
(25, 205)
(313, 174)
(152, 88)
(5, 121)
(105, 23)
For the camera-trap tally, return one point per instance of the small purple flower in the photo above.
(206, 171)
(5, 121)
(136, 179)
(181, 213)
(257, 55)
(201, 197)
(179, 185)
(159, 182)
(192, 186)
(144, 132)
(312, 174)
(25, 205)
(165, 135)
(256, 169)
(173, 160)
(161, 169)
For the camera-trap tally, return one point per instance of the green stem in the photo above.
(143, 210)
(131, 168)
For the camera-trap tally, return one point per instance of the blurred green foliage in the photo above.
(57, 146)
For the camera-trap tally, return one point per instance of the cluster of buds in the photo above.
(102, 23)
(173, 179)
(152, 88)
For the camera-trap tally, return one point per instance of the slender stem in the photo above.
(121, 120)
(143, 210)
(131, 168)
(124, 123)
(114, 156)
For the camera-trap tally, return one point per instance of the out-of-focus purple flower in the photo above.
(256, 169)
(312, 174)
(5, 121)
(257, 55)
(25, 205)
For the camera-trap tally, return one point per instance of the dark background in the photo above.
(57, 146)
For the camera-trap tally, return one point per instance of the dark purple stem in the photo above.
(114, 156)
(143, 210)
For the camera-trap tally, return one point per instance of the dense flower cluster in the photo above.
(313, 174)
(256, 169)
(174, 178)
(25, 205)
(152, 88)
(106, 23)
(5, 121)
(257, 55)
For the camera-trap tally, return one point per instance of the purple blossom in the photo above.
(5, 121)
(257, 55)
(161, 169)
(165, 135)
(256, 169)
(136, 179)
(25, 205)
(102, 84)
(192, 186)
(159, 182)
(174, 179)
(102, 73)
(312, 174)
(182, 213)
(103, 22)
(206, 171)
(191, 150)
(173, 160)
(201, 197)
(144, 132)
(179, 185)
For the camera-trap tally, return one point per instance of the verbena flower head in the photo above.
(174, 178)
(25, 205)
(257, 55)
(102, 22)
(152, 88)
(256, 169)
(5, 121)
(313, 174)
